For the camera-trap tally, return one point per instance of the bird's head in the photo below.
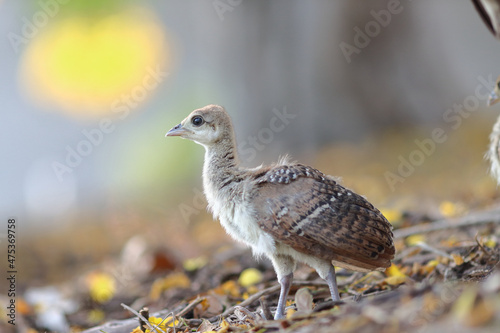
(205, 126)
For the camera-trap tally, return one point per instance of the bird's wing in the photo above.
(310, 212)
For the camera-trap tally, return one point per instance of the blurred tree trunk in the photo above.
(288, 54)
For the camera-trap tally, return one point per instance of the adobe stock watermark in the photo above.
(259, 141)
(363, 37)
(32, 26)
(453, 118)
(223, 6)
(95, 136)
(248, 151)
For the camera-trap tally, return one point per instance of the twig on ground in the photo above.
(146, 321)
(145, 313)
(491, 216)
(172, 317)
(190, 306)
(266, 312)
(246, 302)
(427, 247)
(263, 292)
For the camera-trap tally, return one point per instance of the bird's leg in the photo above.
(332, 284)
(286, 283)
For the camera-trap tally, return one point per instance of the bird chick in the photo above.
(287, 212)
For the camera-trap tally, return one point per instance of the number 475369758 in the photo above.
(11, 247)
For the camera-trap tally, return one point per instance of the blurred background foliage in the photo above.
(89, 88)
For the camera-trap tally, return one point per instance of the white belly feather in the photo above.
(238, 222)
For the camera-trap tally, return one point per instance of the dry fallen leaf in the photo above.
(304, 301)
(174, 280)
(458, 259)
(161, 323)
(210, 306)
(230, 288)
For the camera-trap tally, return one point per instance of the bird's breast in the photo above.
(239, 221)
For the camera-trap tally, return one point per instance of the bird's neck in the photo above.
(221, 164)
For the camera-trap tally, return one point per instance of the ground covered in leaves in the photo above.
(441, 279)
(445, 276)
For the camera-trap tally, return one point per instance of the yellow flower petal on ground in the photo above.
(163, 323)
(250, 277)
(160, 323)
(414, 239)
(450, 209)
(102, 286)
(194, 263)
(96, 316)
(395, 276)
(429, 267)
(491, 243)
(395, 280)
(394, 270)
(433, 263)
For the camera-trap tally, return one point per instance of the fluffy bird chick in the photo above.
(288, 212)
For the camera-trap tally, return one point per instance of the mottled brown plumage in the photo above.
(313, 214)
(288, 212)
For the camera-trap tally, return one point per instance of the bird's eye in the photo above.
(197, 121)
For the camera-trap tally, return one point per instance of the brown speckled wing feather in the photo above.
(309, 211)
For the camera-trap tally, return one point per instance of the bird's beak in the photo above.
(494, 98)
(176, 131)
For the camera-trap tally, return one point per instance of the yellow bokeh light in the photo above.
(83, 65)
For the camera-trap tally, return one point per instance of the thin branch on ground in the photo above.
(491, 216)
(146, 321)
